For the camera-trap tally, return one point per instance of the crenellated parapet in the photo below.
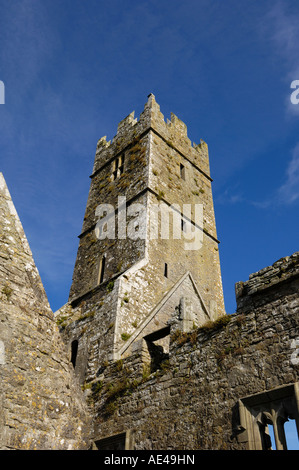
(173, 132)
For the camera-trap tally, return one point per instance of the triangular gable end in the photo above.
(19, 273)
(182, 304)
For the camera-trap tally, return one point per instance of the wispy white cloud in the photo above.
(288, 192)
(281, 27)
(286, 27)
(286, 38)
(27, 40)
(230, 196)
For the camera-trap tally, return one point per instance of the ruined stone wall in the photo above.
(41, 404)
(191, 400)
(265, 285)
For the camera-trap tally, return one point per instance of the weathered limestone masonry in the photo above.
(265, 285)
(41, 404)
(128, 287)
(221, 385)
(146, 357)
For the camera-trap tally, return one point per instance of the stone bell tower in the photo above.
(148, 250)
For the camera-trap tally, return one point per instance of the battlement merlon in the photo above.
(173, 132)
(283, 271)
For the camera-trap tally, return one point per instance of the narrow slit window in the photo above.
(74, 352)
(121, 164)
(115, 169)
(182, 171)
(102, 269)
(165, 270)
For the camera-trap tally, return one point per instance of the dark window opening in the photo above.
(102, 270)
(116, 442)
(158, 348)
(266, 436)
(74, 352)
(165, 270)
(159, 358)
(182, 171)
(121, 163)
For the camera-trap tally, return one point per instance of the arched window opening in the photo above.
(271, 419)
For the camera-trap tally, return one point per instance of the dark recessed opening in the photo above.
(165, 270)
(182, 171)
(158, 348)
(74, 352)
(102, 269)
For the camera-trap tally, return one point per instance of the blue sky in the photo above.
(73, 69)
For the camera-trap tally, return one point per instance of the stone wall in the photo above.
(265, 285)
(190, 401)
(41, 404)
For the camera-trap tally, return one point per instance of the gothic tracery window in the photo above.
(265, 412)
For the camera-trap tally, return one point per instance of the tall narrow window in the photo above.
(102, 269)
(121, 163)
(165, 270)
(74, 352)
(182, 171)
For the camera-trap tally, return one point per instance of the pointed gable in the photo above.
(182, 304)
(18, 274)
(41, 404)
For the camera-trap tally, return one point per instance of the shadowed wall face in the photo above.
(41, 406)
